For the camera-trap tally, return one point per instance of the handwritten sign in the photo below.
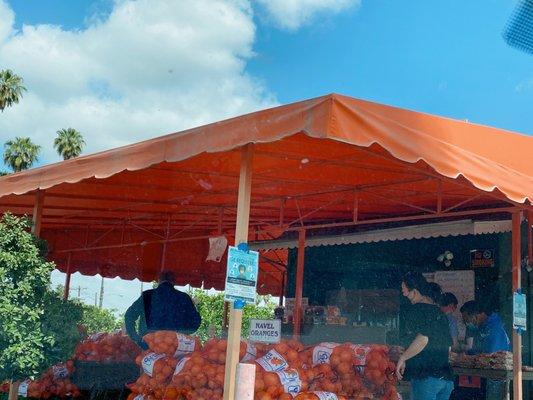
(265, 330)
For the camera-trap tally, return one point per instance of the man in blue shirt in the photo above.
(490, 334)
(489, 337)
(162, 308)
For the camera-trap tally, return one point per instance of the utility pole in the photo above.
(79, 291)
(101, 293)
(95, 299)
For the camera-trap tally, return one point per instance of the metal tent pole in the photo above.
(517, 284)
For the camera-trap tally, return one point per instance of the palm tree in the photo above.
(20, 153)
(69, 143)
(10, 88)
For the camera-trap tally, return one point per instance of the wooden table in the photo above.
(499, 375)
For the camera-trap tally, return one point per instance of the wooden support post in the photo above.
(282, 291)
(517, 284)
(14, 391)
(164, 247)
(241, 236)
(299, 285)
(37, 213)
(67, 278)
(530, 238)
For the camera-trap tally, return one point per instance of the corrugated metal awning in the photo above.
(441, 229)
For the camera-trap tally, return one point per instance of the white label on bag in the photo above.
(139, 397)
(23, 389)
(149, 361)
(186, 345)
(360, 354)
(272, 361)
(322, 353)
(181, 364)
(326, 395)
(251, 353)
(290, 380)
(60, 371)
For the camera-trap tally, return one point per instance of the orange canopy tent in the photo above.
(326, 162)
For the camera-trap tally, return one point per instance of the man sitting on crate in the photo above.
(162, 308)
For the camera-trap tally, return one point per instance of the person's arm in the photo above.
(413, 350)
(191, 317)
(133, 313)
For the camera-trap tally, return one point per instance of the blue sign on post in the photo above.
(241, 275)
(519, 311)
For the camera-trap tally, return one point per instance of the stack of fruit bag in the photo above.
(177, 367)
(107, 347)
(55, 382)
(326, 371)
(354, 371)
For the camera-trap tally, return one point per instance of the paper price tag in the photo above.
(272, 361)
(251, 353)
(360, 354)
(322, 353)
(23, 389)
(186, 345)
(326, 395)
(149, 361)
(180, 365)
(290, 380)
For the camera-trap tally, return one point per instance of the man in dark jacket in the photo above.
(163, 308)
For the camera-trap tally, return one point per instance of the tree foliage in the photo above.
(211, 308)
(11, 88)
(20, 153)
(99, 319)
(25, 280)
(60, 322)
(69, 143)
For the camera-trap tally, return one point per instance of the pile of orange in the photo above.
(107, 347)
(172, 343)
(54, 382)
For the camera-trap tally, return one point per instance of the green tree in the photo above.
(99, 319)
(25, 280)
(69, 143)
(4, 173)
(11, 88)
(211, 309)
(60, 322)
(20, 153)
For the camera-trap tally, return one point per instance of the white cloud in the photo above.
(7, 18)
(524, 86)
(150, 67)
(292, 14)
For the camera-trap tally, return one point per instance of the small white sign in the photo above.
(265, 330)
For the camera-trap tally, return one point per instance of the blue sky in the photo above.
(122, 71)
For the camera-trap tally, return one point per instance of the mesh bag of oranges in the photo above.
(55, 382)
(172, 343)
(107, 347)
(214, 350)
